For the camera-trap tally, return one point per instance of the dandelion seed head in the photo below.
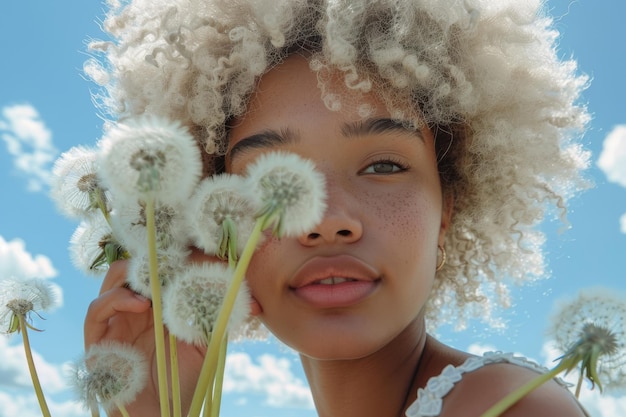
(87, 182)
(216, 200)
(191, 304)
(75, 184)
(171, 262)
(20, 307)
(290, 189)
(87, 245)
(42, 295)
(594, 335)
(110, 374)
(20, 297)
(596, 318)
(144, 159)
(151, 156)
(128, 222)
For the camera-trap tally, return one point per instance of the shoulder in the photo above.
(480, 389)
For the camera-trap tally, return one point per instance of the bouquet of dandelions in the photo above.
(140, 196)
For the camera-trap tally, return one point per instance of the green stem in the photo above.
(157, 310)
(208, 399)
(123, 410)
(102, 205)
(219, 379)
(581, 376)
(176, 403)
(513, 397)
(31, 367)
(209, 365)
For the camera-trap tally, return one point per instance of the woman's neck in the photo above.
(380, 384)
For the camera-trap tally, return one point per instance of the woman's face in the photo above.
(362, 275)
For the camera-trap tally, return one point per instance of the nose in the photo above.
(340, 224)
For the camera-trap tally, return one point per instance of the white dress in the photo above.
(430, 399)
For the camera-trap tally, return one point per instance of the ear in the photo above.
(446, 216)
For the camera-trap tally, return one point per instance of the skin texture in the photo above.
(363, 355)
(391, 222)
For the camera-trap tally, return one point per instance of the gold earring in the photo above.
(443, 258)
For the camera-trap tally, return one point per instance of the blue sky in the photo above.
(45, 109)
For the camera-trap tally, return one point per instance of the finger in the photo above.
(115, 276)
(116, 301)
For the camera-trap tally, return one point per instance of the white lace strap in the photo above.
(430, 398)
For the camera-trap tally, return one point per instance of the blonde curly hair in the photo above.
(485, 76)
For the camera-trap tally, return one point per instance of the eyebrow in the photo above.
(270, 138)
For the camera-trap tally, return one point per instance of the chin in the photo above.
(333, 347)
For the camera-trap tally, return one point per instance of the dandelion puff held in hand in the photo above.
(20, 297)
(289, 192)
(594, 321)
(150, 156)
(218, 200)
(93, 247)
(192, 303)
(76, 186)
(110, 375)
(171, 262)
(128, 221)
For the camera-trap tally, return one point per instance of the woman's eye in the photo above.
(384, 167)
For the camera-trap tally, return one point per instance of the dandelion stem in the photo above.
(206, 411)
(157, 310)
(123, 410)
(31, 367)
(207, 374)
(513, 397)
(176, 403)
(581, 376)
(208, 400)
(219, 379)
(102, 205)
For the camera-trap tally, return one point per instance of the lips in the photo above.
(336, 281)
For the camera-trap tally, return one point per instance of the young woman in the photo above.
(443, 129)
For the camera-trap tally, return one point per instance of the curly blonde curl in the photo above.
(484, 75)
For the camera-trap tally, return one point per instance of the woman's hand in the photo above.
(119, 314)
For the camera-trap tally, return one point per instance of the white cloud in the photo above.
(25, 405)
(613, 160)
(16, 261)
(613, 157)
(17, 397)
(29, 141)
(14, 369)
(478, 349)
(271, 377)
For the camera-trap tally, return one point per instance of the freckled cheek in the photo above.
(403, 215)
